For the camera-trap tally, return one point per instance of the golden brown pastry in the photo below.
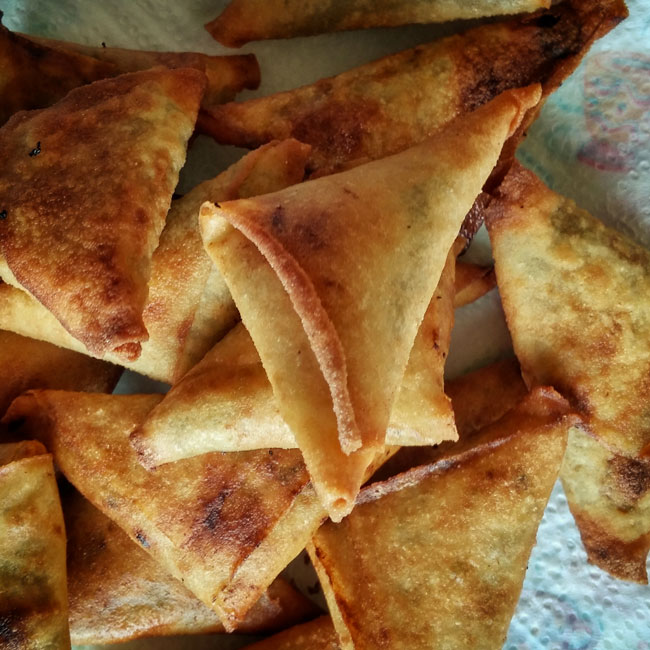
(224, 524)
(253, 20)
(117, 592)
(425, 548)
(85, 187)
(33, 593)
(333, 276)
(388, 105)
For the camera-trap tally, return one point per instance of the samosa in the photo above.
(36, 72)
(33, 592)
(425, 548)
(333, 276)
(118, 593)
(226, 75)
(575, 298)
(576, 305)
(395, 102)
(188, 306)
(609, 498)
(85, 187)
(253, 20)
(27, 363)
(225, 402)
(223, 524)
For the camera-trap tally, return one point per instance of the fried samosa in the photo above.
(27, 363)
(315, 635)
(85, 187)
(118, 593)
(35, 76)
(609, 498)
(436, 557)
(33, 593)
(226, 75)
(254, 20)
(223, 524)
(333, 276)
(393, 103)
(36, 72)
(575, 297)
(225, 403)
(188, 306)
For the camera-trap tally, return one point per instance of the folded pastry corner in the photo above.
(332, 278)
(85, 186)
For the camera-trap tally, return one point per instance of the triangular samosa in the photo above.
(609, 498)
(318, 634)
(575, 295)
(85, 187)
(224, 524)
(188, 306)
(226, 75)
(254, 20)
(421, 550)
(35, 76)
(395, 102)
(333, 276)
(226, 403)
(33, 592)
(118, 593)
(27, 363)
(36, 72)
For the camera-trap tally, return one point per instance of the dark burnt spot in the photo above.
(546, 21)
(142, 538)
(277, 219)
(3, 215)
(103, 44)
(632, 475)
(213, 510)
(35, 151)
(270, 452)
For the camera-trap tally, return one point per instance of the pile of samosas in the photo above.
(301, 304)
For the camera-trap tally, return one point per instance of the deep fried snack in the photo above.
(333, 276)
(386, 106)
(225, 402)
(33, 593)
(85, 187)
(226, 75)
(609, 498)
(575, 295)
(224, 524)
(423, 549)
(254, 20)
(188, 306)
(472, 282)
(117, 592)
